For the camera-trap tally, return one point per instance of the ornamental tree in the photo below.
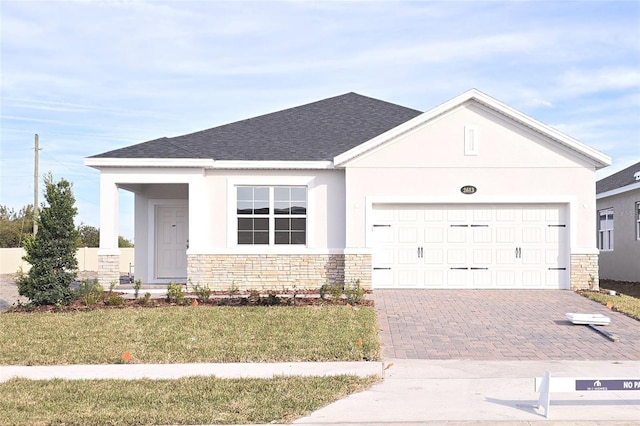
(52, 252)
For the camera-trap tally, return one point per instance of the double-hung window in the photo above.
(638, 221)
(272, 215)
(605, 230)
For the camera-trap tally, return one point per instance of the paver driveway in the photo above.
(498, 325)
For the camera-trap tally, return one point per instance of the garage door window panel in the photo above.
(638, 221)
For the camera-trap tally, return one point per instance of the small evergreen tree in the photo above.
(52, 252)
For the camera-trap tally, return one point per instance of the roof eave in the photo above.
(616, 191)
(274, 165)
(206, 163)
(99, 162)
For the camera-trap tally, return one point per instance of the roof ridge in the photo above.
(284, 111)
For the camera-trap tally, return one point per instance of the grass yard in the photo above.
(194, 400)
(626, 301)
(622, 303)
(190, 334)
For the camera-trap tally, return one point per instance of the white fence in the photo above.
(11, 260)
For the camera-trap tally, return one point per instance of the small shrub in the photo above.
(203, 293)
(354, 292)
(233, 289)
(112, 285)
(272, 299)
(175, 294)
(114, 300)
(592, 282)
(336, 292)
(254, 297)
(145, 299)
(323, 290)
(136, 288)
(90, 293)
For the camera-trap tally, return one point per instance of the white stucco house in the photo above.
(618, 204)
(470, 194)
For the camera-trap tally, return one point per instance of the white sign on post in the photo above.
(547, 384)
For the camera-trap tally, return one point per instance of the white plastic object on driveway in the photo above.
(588, 319)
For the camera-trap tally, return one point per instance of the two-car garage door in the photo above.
(470, 246)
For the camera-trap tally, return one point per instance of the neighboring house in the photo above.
(618, 204)
(470, 194)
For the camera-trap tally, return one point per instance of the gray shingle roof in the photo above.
(318, 131)
(618, 180)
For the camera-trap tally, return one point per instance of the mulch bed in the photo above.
(117, 300)
(623, 287)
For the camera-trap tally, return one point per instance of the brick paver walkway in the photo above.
(498, 325)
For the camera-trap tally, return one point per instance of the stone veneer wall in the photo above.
(108, 269)
(276, 271)
(358, 267)
(584, 272)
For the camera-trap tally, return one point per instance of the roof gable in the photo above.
(619, 180)
(318, 131)
(596, 157)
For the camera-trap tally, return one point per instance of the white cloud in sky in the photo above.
(91, 76)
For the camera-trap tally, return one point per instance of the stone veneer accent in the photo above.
(584, 272)
(277, 271)
(358, 267)
(108, 269)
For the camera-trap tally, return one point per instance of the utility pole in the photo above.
(35, 186)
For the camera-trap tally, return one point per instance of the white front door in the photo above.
(470, 246)
(172, 232)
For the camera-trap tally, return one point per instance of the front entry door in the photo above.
(172, 231)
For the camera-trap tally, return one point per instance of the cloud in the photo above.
(541, 102)
(578, 82)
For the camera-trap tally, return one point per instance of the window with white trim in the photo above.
(272, 215)
(638, 221)
(605, 230)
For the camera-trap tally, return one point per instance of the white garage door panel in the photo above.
(434, 278)
(467, 246)
(433, 256)
(383, 278)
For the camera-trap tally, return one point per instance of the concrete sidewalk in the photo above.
(483, 392)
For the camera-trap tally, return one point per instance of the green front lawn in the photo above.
(194, 400)
(190, 334)
(628, 305)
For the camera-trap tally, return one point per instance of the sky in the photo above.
(92, 76)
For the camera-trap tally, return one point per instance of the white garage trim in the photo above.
(470, 245)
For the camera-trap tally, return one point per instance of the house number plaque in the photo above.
(468, 189)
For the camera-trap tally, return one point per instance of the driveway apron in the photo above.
(498, 325)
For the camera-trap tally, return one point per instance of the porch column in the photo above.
(109, 253)
(200, 220)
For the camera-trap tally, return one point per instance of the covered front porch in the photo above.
(162, 215)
